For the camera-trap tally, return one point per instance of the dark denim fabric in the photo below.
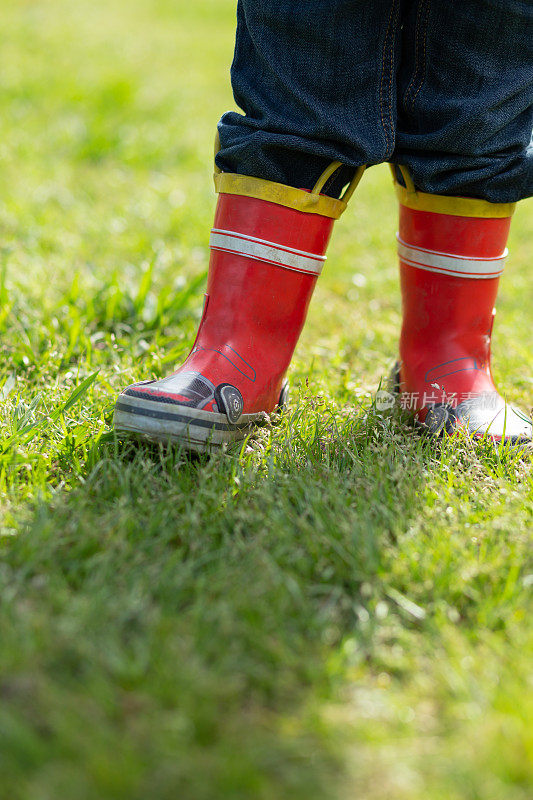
(442, 86)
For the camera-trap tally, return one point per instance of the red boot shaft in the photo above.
(450, 265)
(449, 275)
(268, 247)
(265, 260)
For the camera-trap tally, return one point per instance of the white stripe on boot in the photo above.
(262, 250)
(450, 264)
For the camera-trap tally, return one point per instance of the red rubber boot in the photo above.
(452, 253)
(267, 250)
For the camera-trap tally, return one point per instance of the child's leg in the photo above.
(317, 83)
(465, 120)
(465, 98)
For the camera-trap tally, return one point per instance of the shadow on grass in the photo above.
(175, 624)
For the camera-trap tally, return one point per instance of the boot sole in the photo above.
(201, 431)
(523, 442)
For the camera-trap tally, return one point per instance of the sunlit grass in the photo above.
(338, 610)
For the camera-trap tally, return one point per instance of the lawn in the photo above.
(341, 609)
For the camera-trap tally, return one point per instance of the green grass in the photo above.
(339, 611)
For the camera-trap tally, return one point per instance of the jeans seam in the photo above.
(410, 87)
(396, 4)
(424, 60)
(388, 133)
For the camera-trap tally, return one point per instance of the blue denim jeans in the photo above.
(444, 87)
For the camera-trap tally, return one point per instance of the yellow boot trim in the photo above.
(289, 196)
(443, 204)
(229, 183)
(309, 202)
